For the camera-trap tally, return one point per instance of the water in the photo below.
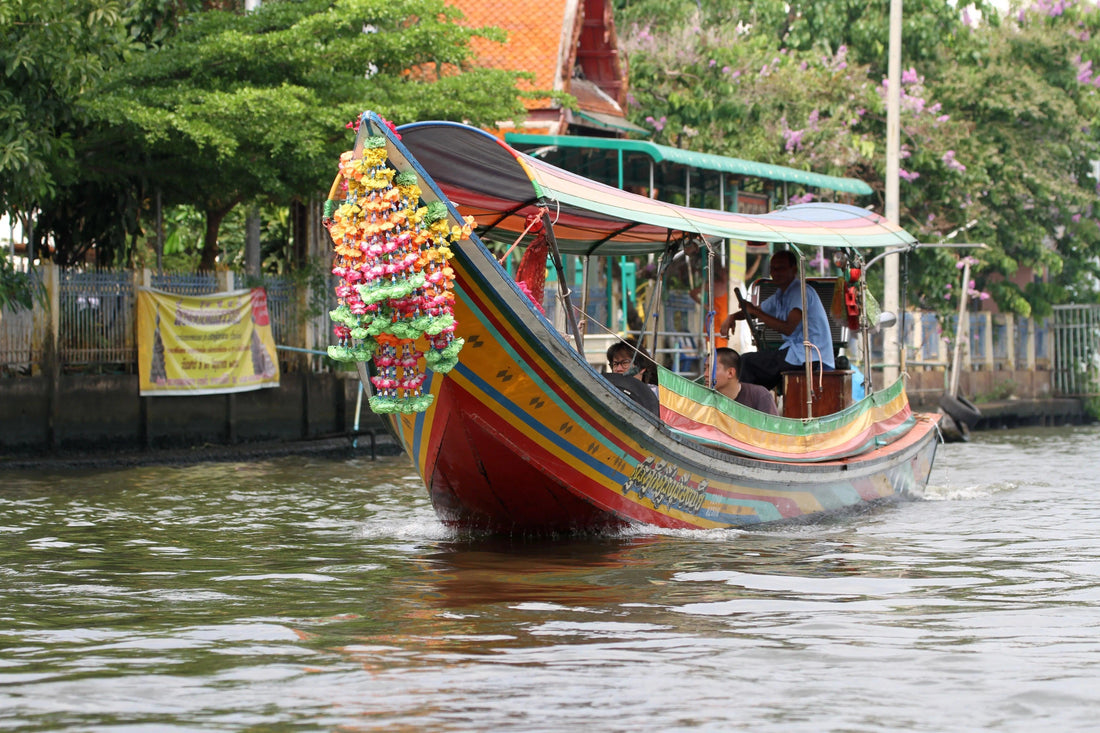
(308, 594)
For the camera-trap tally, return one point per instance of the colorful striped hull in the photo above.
(524, 437)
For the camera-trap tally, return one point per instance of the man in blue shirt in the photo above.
(782, 312)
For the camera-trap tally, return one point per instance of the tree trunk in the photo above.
(214, 217)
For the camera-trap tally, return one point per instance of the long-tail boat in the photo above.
(517, 432)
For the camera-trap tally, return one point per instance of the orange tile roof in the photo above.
(548, 38)
(535, 30)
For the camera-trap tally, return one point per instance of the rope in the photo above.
(533, 221)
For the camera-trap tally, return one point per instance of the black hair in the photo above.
(729, 358)
(642, 362)
(788, 255)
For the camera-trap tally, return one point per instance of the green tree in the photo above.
(50, 52)
(252, 107)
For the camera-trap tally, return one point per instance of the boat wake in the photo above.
(956, 492)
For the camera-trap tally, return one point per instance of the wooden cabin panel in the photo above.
(831, 394)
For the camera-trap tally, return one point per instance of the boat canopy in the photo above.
(693, 159)
(501, 187)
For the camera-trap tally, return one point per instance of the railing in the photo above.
(1076, 335)
(94, 313)
(96, 318)
(185, 283)
(22, 334)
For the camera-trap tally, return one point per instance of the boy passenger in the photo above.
(727, 380)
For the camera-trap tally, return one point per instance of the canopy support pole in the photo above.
(708, 319)
(807, 354)
(653, 311)
(563, 286)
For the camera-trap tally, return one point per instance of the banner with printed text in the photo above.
(205, 344)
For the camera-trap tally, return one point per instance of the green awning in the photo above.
(608, 122)
(692, 159)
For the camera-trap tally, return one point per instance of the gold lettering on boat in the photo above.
(665, 486)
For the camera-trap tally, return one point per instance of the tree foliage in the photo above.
(51, 51)
(217, 107)
(998, 119)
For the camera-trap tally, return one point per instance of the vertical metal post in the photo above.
(807, 353)
(563, 286)
(890, 340)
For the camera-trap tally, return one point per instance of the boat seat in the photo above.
(832, 394)
(826, 288)
(636, 390)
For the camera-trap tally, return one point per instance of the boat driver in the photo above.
(782, 312)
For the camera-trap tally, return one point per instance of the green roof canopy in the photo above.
(692, 159)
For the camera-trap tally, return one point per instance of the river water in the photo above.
(315, 594)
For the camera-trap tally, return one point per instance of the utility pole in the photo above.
(252, 257)
(891, 301)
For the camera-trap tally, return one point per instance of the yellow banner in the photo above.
(206, 344)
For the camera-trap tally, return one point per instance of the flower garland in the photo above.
(396, 285)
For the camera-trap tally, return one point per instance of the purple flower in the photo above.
(658, 125)
(794, 139)
(712, 63)
(909, 76)
(725, 69)
(949, 160)
(907, 175)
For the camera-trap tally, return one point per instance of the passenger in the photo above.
(783, 312)
(727, 381)
(626, 357)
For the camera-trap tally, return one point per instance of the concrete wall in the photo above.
(85, 412)
(926, 385)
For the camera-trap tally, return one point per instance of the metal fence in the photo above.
(185, 283)
(22, 334)
(1076, 335)
(282, 305)
(96, 317)
(96, 329)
